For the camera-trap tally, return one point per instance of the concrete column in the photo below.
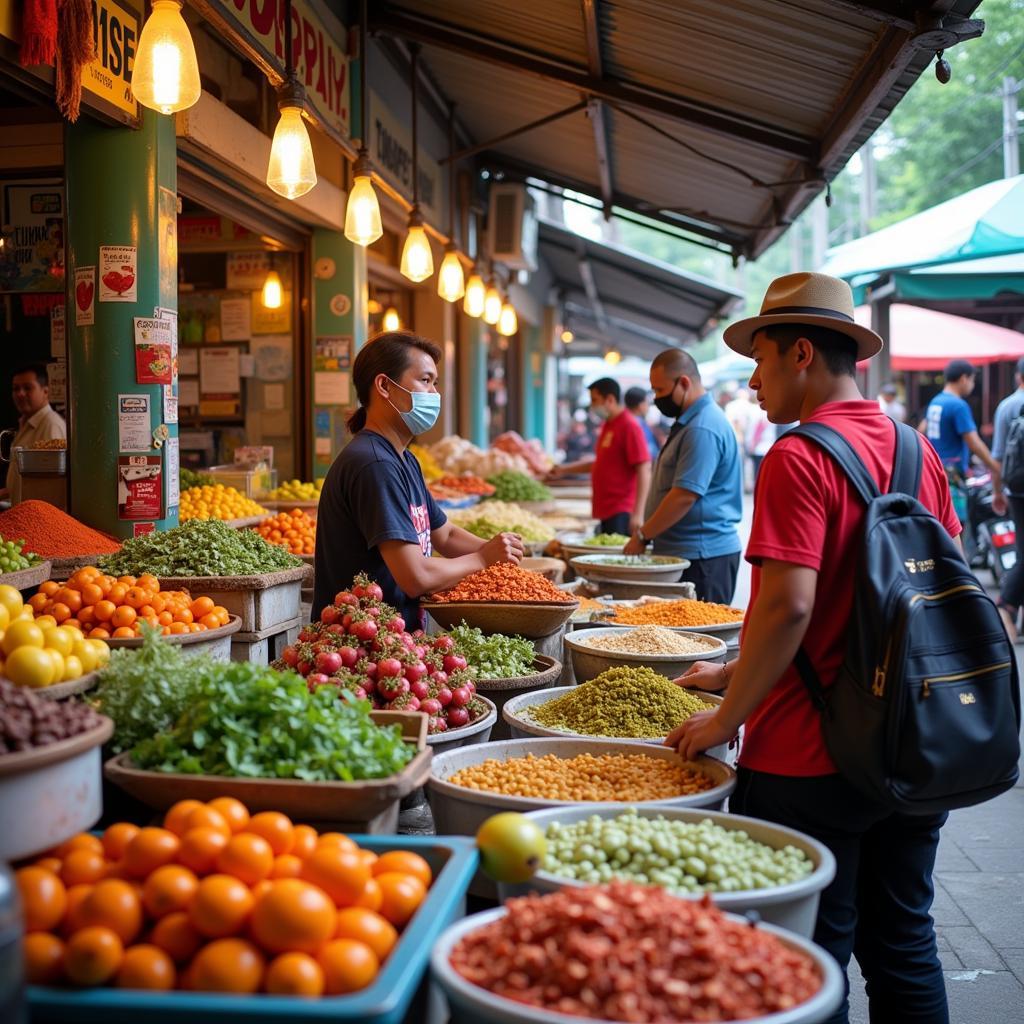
(340, 296)
(121, 191)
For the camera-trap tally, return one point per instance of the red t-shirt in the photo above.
(807, 513)
(621, 447)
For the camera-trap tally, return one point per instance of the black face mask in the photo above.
(668, 406)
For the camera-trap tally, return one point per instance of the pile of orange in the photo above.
(108, 608)
(295, 530)
(217, 901)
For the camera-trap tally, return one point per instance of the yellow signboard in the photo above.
(115, 31)
(10, 20)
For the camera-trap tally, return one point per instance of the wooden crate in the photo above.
(265, 646)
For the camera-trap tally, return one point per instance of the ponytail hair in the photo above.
(389, 354)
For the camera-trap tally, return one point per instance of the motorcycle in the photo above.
(990, 540)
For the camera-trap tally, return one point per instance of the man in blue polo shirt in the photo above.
(696, 497)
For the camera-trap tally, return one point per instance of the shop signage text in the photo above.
(318, 51)
(115, 31)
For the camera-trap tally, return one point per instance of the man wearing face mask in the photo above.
(376, 515)
(620, 468)
(696, 498)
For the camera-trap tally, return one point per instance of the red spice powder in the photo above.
(52, 533)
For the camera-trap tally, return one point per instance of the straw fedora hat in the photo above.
(814, 299)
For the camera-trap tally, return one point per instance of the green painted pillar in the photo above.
(533, 377)
(121, 192)
(339, 320)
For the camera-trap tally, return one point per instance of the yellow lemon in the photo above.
(59, 639)
(30, 666)
(5, 617)
(58, 663)
(22, 633)
(86, 655)
(10, 598)
(72, 669)
(101, 649)
(45, 621)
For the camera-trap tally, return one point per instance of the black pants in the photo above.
(714, 578)
(618, 523)
(1012, 590)
(877, 907)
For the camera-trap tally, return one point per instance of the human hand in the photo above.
(704, 675)
(698, 733)
(635, 522)
(505, 547)
(635, 546)
(999, 504)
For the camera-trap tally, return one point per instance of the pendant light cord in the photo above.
(451, 173)
(363, 104)
(414, 51)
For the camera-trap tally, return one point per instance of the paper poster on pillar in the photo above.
(118, 273)
(154, 359)
(167, 245)
(58, 333)
(140, 486)
(85, 296)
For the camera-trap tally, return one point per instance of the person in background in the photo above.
(620, 468)
(637, 403)
(889, 402)
(742, 414)
(696, 499)
(761, 435)
(805, 544)
(376, 514)
(949, 424)
(724, 397)
(37, 420)
(1011, 591)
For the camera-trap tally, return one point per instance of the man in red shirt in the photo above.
(804, 545)
(620, 467)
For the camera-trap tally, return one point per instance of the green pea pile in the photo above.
(607, 540)
(681, 856)
(511, 485)
(496, 656)
(14, 558)
(628, 702)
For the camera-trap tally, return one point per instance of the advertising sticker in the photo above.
(118, 273)
(85, 296)
(133, 430)
(154, 357)
(139, 486)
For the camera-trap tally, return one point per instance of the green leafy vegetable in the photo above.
(607, 540)
(511, 485)
(496, 656)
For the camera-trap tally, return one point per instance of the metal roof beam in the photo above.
(590, 287)
(432, 32)
(596, 109)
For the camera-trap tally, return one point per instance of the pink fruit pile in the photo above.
(361, 646)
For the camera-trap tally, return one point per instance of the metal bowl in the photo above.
(589, 661)
(647, 568)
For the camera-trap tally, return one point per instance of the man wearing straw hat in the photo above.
(804, 546)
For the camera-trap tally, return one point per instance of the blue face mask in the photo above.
(426, 407)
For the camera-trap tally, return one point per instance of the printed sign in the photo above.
(133, 430)
(118, 273)
(170, 404)
(139, 486)
(141, 529)
(154, 360)
(58, 333)
(333, 351)
(115, 31)
(32, 259)
(246, 271)
(235, 320)
(173, 472)
(85, 296)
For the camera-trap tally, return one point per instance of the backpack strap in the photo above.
(844, 454)
(908, 463)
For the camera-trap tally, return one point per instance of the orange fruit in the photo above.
(205, 816)
(148, 850)
(210, 621)
(49, 864)
(73, 914)
(227, 965)
(43, 898)
(276, 828)
(348, 966)
(103, 610)
(177, 628)
(304, 839)
(177, 815)
(116, 839)
(146, 966)
(339, 872)
(336, 839)
(49, 588)
(369, 858)
(82, 867)
(200, 848)
(123, 633)
(114, 904)
(221, 906)
(405, 863)
(286, 866)
(401, 895)
(293, 916)
(92, 956)
(202, 606)
(168, 889)
(233, 811)
(366, 926)
(247, 857)
(176, 936)
(91, 594)
(294, 974)
(44, 958)
(148, 582)
(81, 841)
(371, 898)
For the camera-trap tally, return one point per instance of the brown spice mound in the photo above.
(504, 581)
(52, 533)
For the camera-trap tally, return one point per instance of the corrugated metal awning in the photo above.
(722, 119)
(615, 298)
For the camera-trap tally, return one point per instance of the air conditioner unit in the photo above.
(512, 225)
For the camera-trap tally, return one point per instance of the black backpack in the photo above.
(924, 715)
(1013, 456)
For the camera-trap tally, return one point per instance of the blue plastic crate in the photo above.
(453, 859)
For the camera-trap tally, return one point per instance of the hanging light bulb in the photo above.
(392, 321)
(567, 337)
(291, 172)
(451, 281)
(273, 291)
(362, 216)
(613, 357)
(417, 259)
(476, 291)
(492, 304)
(166, 74)
(508, 322)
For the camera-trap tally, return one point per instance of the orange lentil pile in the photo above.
(678, 613)
(504, 581)
(52, 533)
(627, 952)
(295, 530)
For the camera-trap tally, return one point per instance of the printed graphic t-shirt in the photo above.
(947, 419)
(371, 495)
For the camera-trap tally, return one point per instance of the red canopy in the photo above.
(924, 339)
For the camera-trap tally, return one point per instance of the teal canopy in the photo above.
(987, 278)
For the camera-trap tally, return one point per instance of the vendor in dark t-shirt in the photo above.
(376, 514)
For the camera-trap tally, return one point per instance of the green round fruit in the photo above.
(511, 847)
